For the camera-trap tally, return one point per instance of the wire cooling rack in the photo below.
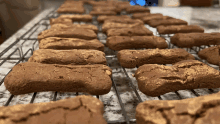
(28, 43)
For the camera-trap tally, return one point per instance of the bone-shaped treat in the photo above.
(36, 77)
(155, 80)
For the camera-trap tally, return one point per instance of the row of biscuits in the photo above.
(158, 112)
(155, 80)
(69, 59)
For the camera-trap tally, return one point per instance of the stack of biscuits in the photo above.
(71, 59)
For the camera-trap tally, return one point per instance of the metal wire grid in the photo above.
(23, 56)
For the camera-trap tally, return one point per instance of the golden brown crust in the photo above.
(144, 14)
(102, 18)
(155, 80)
(127, 42)
(199, 110)
(77, 17)
(125, 21)
(189, 40)
(113, 25)
(134, 9)
(95, 12)
(81, 33)
(56, 112)
(173, 29)
(32, 77)
(155, 23)
(134, 31)
(211, 54)
(61, 21)
(71, 26)
(153, 18)
(65, 57)
(70, 43)
(134, 58)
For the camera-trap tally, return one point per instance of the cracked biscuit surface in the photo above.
(189, 40)
(32, 77)
(81, 33)
(173, 29)
(199, 110)
(65, 57)
(131, 42)
(133, 58)
(78, 110)
(70, 43)
(114, 25)
(155, 80)
(139, 30)
(155, 23)
(211, 54)
(102, 18)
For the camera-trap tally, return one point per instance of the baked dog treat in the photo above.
(114, 25)
(70, 43)
(65, 21)
(102, 18)
(66, 57)
(173, 29)
(81, 33)
(56, 112)
(156, 23)
(32, 77)
(144, 14)
(125, 21)
(96, 13)
(211, 54)
(132, 42)
(151, 18)
(139, 30)
(198, 110)
(71, 26)
(77, 17)
(104, 8)
(154, 80)
(79, 10)
(189, 40)
(134, 58)
(137, 9)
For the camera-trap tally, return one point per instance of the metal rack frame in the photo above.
(23, 56)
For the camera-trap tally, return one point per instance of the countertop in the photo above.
(207, 18)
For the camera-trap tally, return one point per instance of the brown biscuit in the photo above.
(61, 21)
(70, 43)
(102, 18)
(102, 3)
(79, 10)
(113, 25)
(155, 23)
(122, 7)
(71, 26)
(173, 29)
(198, 110)
(154, 80)
(32, 77)
(134, 58)
(96, 13)
(66, 57)
(139, 30)
(144, 14)
(127, 42)
(104, 8)
(189, 40)
(210, 54)
(81, 33)
(56, 112)
(136, 9)
(77, 17)
(152, 18)
(125, 21)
